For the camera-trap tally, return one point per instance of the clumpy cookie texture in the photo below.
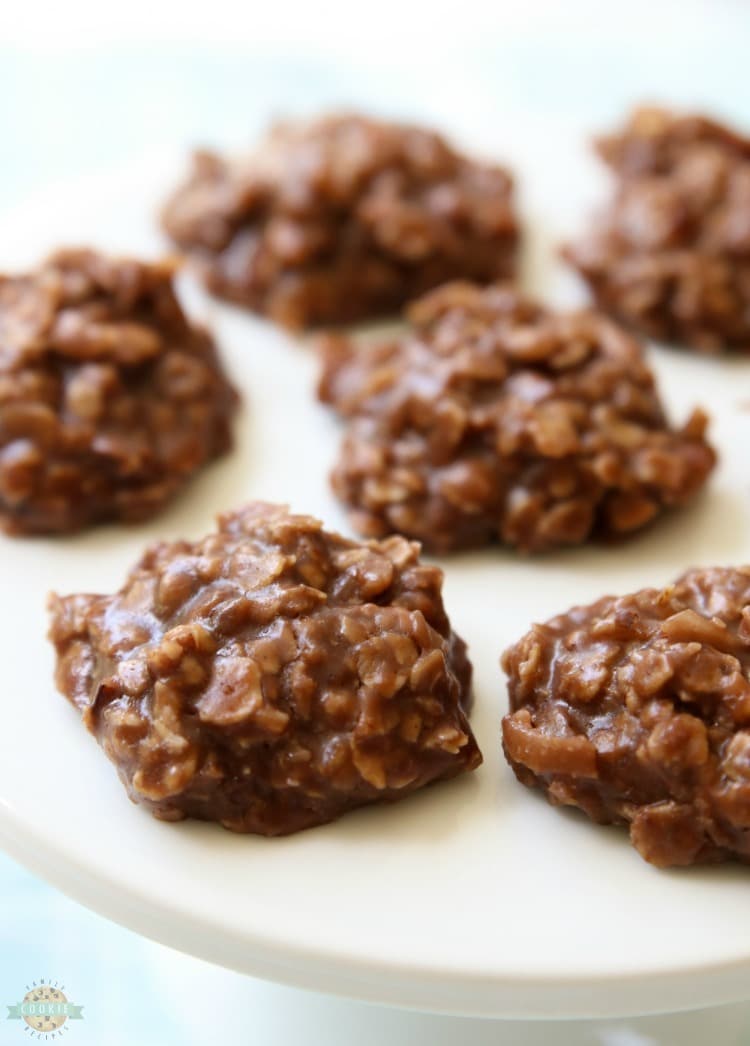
(109, 397)
(671, 254)
(342, 219)
(271, 676)
(497, 420)
(637, 710)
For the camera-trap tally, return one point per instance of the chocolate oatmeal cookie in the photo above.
(671, 254)
(110, 399)
(271, 676)
(342, 219)
(497, 420)
(637, 710)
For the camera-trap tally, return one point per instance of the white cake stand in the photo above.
(474, 898)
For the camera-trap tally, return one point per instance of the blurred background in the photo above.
(85, 85)
(90, 88)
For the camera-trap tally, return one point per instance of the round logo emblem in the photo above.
(43, 1017)
(45, 1009)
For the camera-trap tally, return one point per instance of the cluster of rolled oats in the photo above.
(270, 676)
(109, 398)
(671, 254)
(637, 710)
(495, 419)
(343, 219)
